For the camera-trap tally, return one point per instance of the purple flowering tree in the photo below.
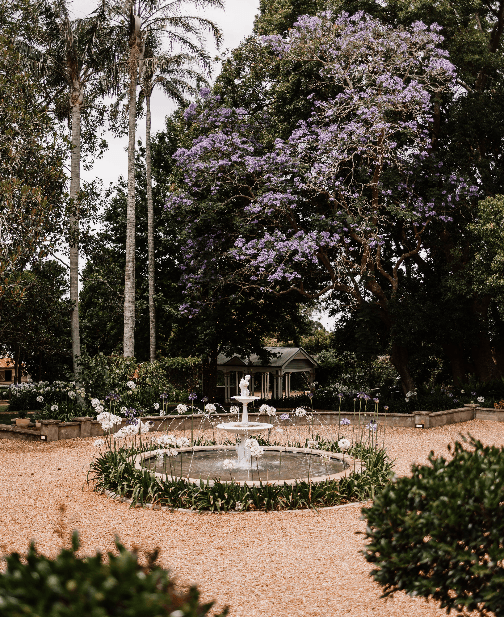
(340, 206)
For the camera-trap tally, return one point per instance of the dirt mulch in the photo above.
(280, 564)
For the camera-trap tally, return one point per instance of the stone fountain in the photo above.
(244, 428)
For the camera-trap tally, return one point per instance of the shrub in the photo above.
(440, 533)
(72, 586)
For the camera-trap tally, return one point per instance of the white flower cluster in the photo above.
(181, 408)
(344, 444)
(300, 412)
(255, 449)
(133, 429)
(481, 399)
(210, 408)
(96, 405)
(268, 410)
(40, 399)
(156, 406)
(108, 420)
(234, 409)
(54, 408)
(170, 441)
(131, 385)
(71, 394)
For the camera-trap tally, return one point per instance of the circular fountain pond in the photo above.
(277, 465)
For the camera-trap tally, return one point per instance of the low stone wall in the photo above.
(54, 430)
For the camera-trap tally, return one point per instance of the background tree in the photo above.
(80, 67)
(177, 77)
(164, 20)
(314, 214)
(31, 160)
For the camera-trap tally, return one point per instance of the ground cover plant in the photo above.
(34, 585)
(440, 533)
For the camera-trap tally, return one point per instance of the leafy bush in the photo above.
(70, 586)
(440, 533)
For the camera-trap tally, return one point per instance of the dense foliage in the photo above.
(69, 585)
(440, 533)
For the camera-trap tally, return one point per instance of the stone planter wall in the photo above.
(54, 430)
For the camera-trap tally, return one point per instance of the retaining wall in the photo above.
(54, 430)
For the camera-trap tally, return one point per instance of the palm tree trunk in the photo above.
(76, 101)
(150, 231)
(129, 272)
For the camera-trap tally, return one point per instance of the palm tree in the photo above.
(177, 77)
(79, 66)
(185, 33)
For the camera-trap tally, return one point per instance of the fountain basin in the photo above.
(244, 428)
(206, 463)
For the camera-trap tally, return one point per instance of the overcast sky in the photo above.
(235, 21)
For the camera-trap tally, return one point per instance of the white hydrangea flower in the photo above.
(210, 408)
(131, 385)
(183, 442)
(99, 408)
(40, 399)
(481, 399)
(344, 444)
(181, 408)
(123, 410)
(300, 412)
(263, 408)
(162, 412)
(54, 408)
(171, 452)
(234, 409)
(156, 406)
(71, 394)
(95, 402)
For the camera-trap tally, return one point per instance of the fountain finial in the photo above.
(244, 386)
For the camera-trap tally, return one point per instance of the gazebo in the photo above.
(285, 361)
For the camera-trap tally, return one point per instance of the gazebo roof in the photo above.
(285, 358)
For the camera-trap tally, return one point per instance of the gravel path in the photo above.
(280, 564)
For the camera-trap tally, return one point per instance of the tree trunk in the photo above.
(129, 271)
(399, 359)
(485, 367)
(458, 362)
(76, 100)
(17, 362)
(150, 232)
(210, 375)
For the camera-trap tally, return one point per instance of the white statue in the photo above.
(244, 384)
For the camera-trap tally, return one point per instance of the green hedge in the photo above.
(71, 586)
(440, 533)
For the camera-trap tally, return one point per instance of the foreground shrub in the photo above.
(80, 587)
(440, 533)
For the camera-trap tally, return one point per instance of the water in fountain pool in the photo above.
(273, 465)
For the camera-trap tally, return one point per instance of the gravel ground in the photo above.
(281, 564)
